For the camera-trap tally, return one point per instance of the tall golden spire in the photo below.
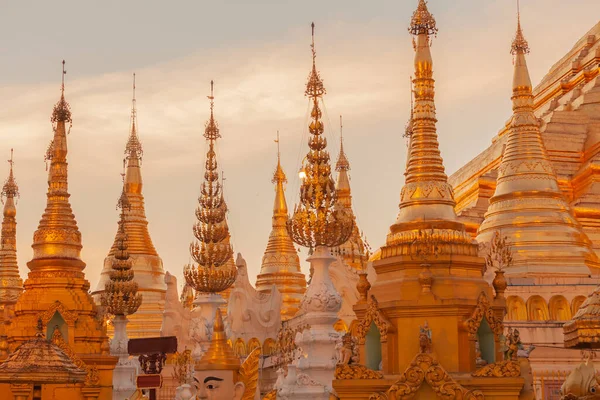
(528, 206)
(426, 195)
(353, 250)
(58, 235)
(211, 250)
(146, 263)
(319, 219)
(121, 295)
(280, 263)
(12, 285)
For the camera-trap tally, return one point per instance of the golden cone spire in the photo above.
(120, 295)
(353, 251)
(426, 195)
(319, 219)
(12, 285)
(58, 235)
(280, 263)
(211, 250)
(528, 206)
(220, 355)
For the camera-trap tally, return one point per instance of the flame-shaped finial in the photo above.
(519, 44)
(133, 148)
(10, 188)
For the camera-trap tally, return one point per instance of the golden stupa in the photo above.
(430, 310)
(528, 206)
(11, 284)
(56, 290)
(280, 263)
(147, 264)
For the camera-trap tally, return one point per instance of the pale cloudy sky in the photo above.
(258, 54)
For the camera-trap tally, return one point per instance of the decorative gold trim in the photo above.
(355, 371)
(483, 309)
(501, 369)
(425, 368)
(69, 316)
(249, 374)
(373, 314)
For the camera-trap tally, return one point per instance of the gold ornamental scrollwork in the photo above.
(483, 309)
(424, 368)
(92, 378)
(373, 315)
(502, 369)
(355, 371)
(68, 316)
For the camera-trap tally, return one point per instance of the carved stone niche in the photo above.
(485, 325)
(375, 325)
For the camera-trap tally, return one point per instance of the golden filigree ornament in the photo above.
(422, 21)
(319, 219)
(499, 254)
(211, 250)
(519, 44)
(133, 148)
(120, 295)
(183, 367)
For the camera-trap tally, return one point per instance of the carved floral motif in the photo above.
(425, 368)
(502, 369)
(355, 371)
(483, 309)
(68, 316)
(373, 315)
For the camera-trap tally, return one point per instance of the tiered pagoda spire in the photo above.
(215, 271)
(56, 290)
(280, 263)
(353, 251)
(528, 206)
(147, 264)
(12, 284)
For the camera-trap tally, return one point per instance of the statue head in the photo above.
(581, 383)
(219, 375)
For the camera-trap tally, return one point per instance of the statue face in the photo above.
(217, 385)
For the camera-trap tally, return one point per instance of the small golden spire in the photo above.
(422, 21)
(121, 295)
(318, 220)
(279, 176)
(212, 249)
(519, 44)
(62, 109)
(12, 285)
(220, 355)
(342, 162)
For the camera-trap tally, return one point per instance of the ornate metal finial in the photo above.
(278, 150)
(121, 295)
(133, 148)
(62, 109)
(422, 21)
(319, 219)
(519, 44)
(211, 250)
(342, 161)
(314, 86)
(10, 188)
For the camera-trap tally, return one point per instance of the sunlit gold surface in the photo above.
(11, 284)
(280, 263)
(146, 263)
(56, 283)
(528, 206)
(319, 219)
(215, 270)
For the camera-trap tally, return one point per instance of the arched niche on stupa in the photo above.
(487, 342)
(239, 348)
(57, 322)
(269, 347)
(58, 315)
(537, 309)
(253, 343)
(373, 348)
(516, 309)
(559, 308)
(576, 304)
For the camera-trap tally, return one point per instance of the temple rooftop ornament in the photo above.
(280, 263)
(146, 264)
(39, 361)
(319, 219)
(211, 250)
(12, 284)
